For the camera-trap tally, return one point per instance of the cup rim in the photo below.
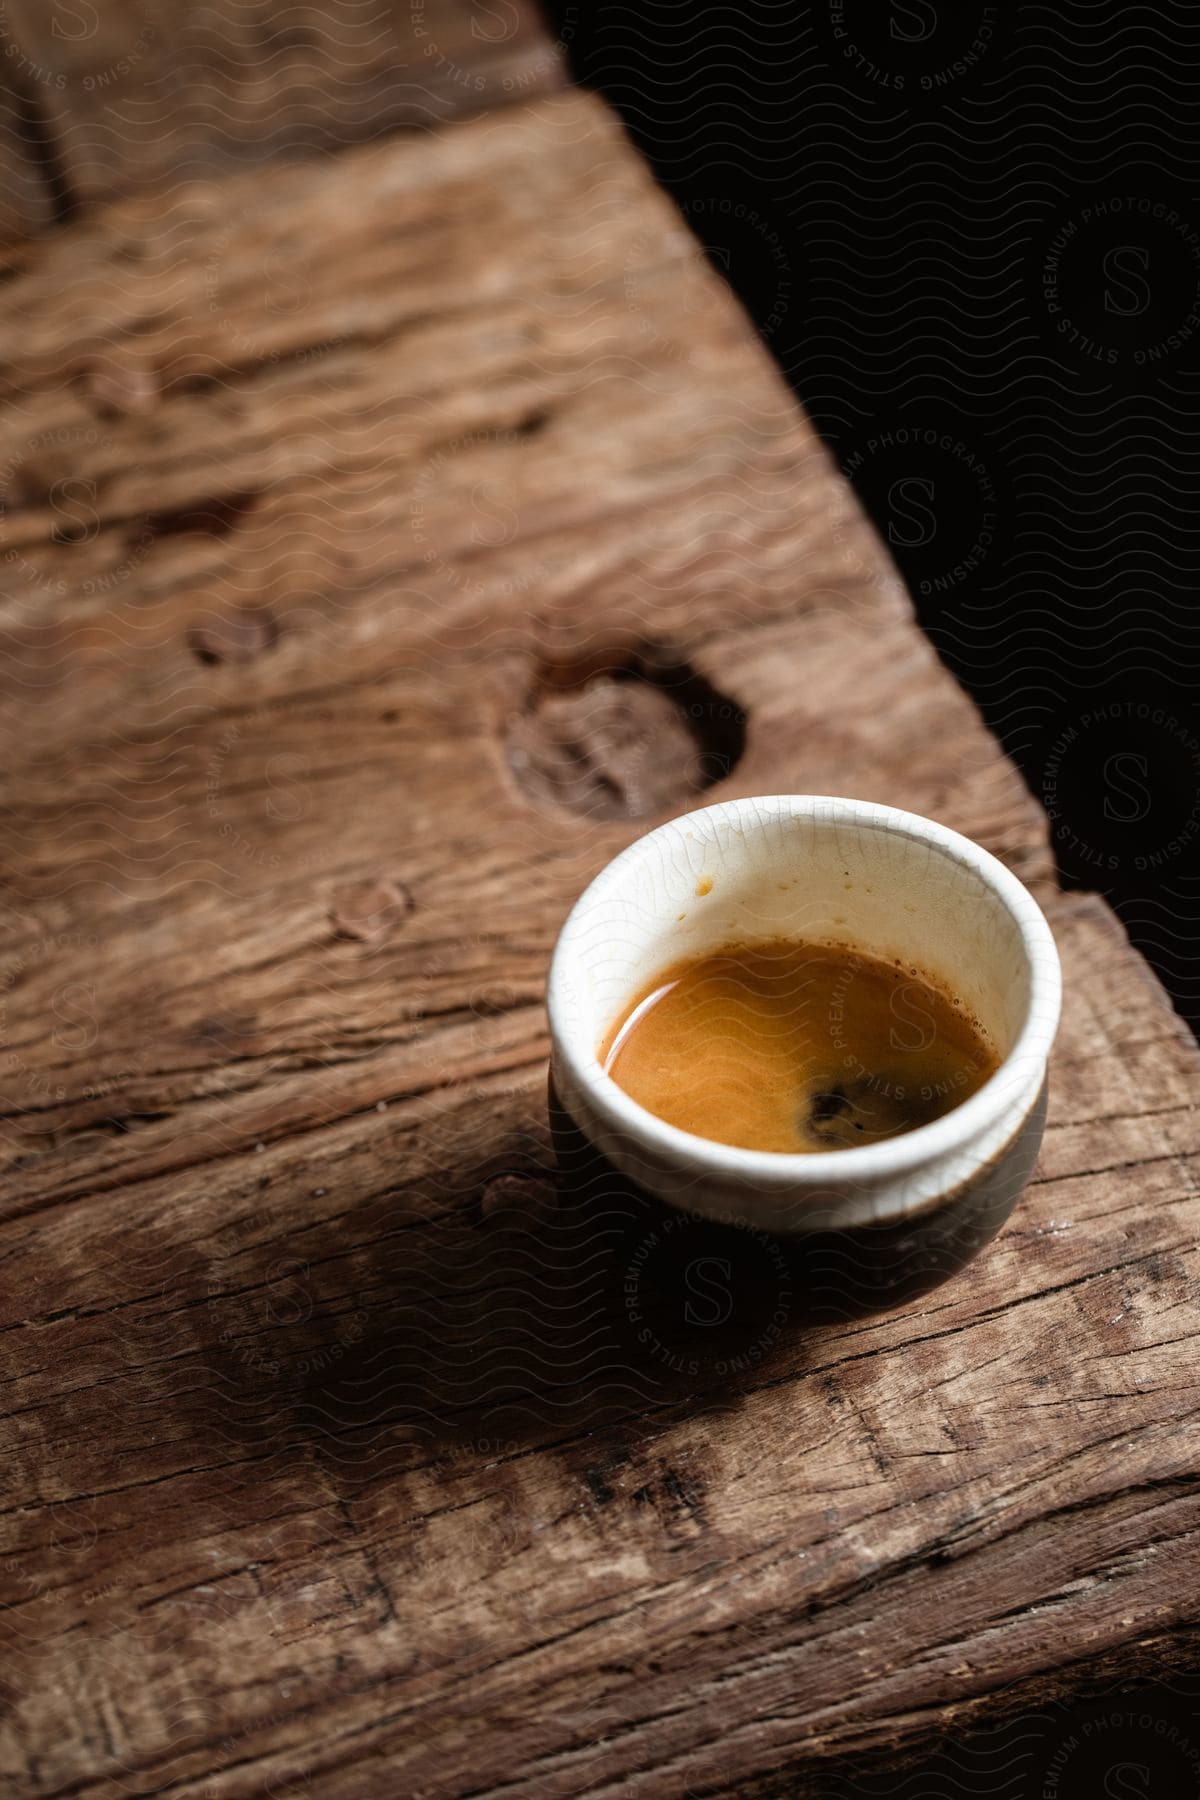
(955, 1131)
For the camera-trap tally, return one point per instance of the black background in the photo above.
(970, 235)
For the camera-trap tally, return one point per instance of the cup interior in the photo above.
(829, 871)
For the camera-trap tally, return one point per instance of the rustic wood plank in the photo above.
(27, 200)
(135, 90)
(332, 1456)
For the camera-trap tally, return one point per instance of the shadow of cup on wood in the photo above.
(516, 1293)
(784, 1281)
(536, 1307)
(550, 1297)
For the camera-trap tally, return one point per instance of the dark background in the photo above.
(970, 235)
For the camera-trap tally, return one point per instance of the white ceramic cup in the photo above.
(821, 869)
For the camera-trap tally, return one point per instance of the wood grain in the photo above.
(27, 167)
(140, 90)
(334, 1462)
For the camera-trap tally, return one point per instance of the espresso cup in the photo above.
(875, 1224)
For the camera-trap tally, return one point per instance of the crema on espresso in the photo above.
(793, 1046)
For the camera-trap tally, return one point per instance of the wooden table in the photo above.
(390, 537)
